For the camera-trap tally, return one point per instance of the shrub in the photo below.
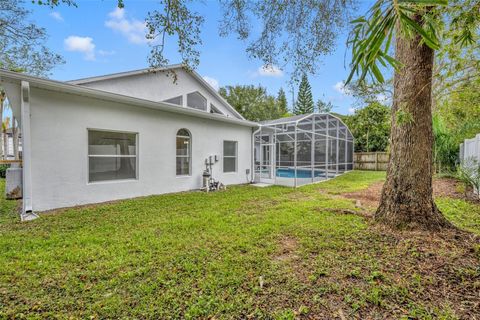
(3, 170)
(469, 173)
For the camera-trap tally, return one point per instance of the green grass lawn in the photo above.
(246, 252)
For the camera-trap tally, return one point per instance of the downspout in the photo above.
(27, 210)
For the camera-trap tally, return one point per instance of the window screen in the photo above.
(111, 155)
(215, 110)
(229, 156)
(176, 100)
(184, 147)
(196, 101)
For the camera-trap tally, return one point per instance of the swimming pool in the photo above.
(301, 173)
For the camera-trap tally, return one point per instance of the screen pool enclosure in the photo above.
(302, 149)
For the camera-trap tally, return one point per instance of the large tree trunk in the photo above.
(407, 197)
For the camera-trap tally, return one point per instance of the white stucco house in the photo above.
(140, 133)
(123, 135)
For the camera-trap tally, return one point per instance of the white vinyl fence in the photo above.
(470, 149)
(470, 158)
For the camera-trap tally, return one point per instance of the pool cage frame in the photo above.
(308, 148)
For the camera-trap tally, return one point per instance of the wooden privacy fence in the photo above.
(375, 161)
(10, 161)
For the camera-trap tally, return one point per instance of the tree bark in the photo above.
(407, 195)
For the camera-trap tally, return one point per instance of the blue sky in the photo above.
(96, 38)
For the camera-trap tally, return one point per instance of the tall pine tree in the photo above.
(304, 103)
(282, 104)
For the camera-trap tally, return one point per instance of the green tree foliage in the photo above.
(456, 118)
(445, 148)
(365, 92)
(282, 102)
(324, 107)
(254, 103)
(299, 33)
(22, 43)
(304, 102)
(371, 127)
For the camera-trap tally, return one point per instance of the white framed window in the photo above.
(184, 152)
(175, 100)
(230, 156)
(215, 110)
(196, 101)
(112, 155)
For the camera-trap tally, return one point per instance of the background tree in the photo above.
(294, 33)
(304, 103)
(254, 103)
(282, 103)
(324, 107)
(22, 43)
(22, 47)
(365, 92)
(407, 200)
(371, 127)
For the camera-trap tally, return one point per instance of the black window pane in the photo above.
(183, 166)
(111, 168)
(230, 148)
(196, 101)
(111, 143)
(176, 100)
(229, 164)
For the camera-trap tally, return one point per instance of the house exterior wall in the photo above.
(59, 151)
(159, 87)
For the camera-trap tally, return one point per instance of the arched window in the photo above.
(184, 152)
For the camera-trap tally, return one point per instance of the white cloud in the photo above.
(56, 15)
(118, 13)
(351, 110)
(212, 81)
(269, 71)
(106, 52)
(84, 45)
(340, 87)
(132, 29)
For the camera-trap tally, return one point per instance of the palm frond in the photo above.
(372, 34)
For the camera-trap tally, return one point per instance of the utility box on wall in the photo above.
(13, 185)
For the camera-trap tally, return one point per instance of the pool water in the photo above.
(301, 173)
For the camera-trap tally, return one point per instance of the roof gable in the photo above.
(159, 85)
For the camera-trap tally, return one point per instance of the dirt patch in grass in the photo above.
(438, 269)
(447, 187)
(381, 274)
(370, 197)
(287, 247)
